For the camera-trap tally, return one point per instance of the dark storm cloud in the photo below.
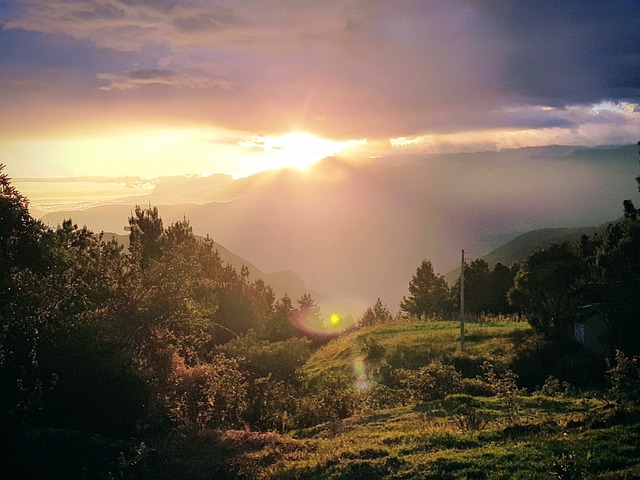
(345, 68)
(567, 52)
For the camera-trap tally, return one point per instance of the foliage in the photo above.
(93, 337)
(329, 398)
(279, 360)
(542, 286)
(428, 293)
(377, 314)
(485, 290)
(211, 395)
(505, 387)
(623, 375)
(432, 382)
(553, 387)
(380, 396)
(570, 466)
(466, 413)
(371, 349)
(96, 338)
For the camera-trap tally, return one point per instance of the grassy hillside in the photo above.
(558, 439)
(414, 344)
(553, 433)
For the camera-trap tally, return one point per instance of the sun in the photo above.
(296, 149)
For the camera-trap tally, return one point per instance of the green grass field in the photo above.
(563, 437)
(559, 433)
(567, 439)
(413, 344)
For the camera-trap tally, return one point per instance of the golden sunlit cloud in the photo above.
(154, 152)
(296, 149)
(604, 122)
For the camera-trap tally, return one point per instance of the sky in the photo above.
(134, 90)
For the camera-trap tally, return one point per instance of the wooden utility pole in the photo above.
(462, 302)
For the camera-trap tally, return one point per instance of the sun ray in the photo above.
(296, 149)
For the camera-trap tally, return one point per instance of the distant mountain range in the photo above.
(357, 229)
(524, 245)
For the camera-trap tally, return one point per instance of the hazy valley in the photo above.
(355, 230)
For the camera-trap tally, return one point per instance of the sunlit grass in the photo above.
(580, 433)
(423, 340)
(407, 443)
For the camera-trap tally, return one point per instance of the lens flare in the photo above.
(314, 324)
(362, 382)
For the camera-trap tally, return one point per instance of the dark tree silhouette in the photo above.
(428, 293)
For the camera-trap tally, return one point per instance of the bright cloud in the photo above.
(426, 75)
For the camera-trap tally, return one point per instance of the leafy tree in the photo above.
(62, 361)
(542, 286)
(307, 316)
(500, 282)
(485, 290)
(618, 252)
(280, 325)
(146, 230)
(429, 293)
(376, 315)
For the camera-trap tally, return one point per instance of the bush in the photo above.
(536, 358)
(505, 386)
(270, 405)
(570, 466)
(213, 395)
(476, 387)
(406, 356)
(279, 360)
(371, 349)
(433, 382)
(330, 399)
(553, 387)
(623, 376)
(381, 396)
(466, 412)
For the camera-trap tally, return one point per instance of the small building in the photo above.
(606, 318)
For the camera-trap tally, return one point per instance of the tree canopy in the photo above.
(428, 293)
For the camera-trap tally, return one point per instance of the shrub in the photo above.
(381, 396)
(280, 360)
(553, 387)
(476, 387)
(213, 395)
(570, 466)
(433, 382)
(505, 386)
(623, 376)
(406, 356)
(371, 349)
(270, 405)
(466, 412)
(330, 398)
